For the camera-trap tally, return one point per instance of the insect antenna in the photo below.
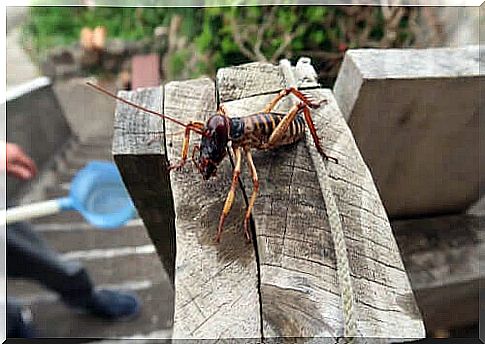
(139, 107)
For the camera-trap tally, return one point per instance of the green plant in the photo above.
(201, 40)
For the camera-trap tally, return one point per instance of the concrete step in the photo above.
(82, 236)
(56, 320)
(71, 217)
(104, 141)
(117, 272)
(118, 259)
(89, 153)
(73, 162)
(76, 162)
(91, 146)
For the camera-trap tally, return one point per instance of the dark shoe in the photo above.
(26, 328)
(108, 304)
(19, 324)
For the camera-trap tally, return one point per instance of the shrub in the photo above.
(200, 40)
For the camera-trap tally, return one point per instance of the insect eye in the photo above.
(221, 132)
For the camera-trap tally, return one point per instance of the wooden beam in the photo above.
(216, 284)
(442, 257)
(299, 289)
(415, 114)
(139, 152)
(286, 285)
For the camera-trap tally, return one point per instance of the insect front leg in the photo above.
(232, 192)
(254, 177)
(185, 146)
(194, 151)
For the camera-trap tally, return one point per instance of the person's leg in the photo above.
(29, 256)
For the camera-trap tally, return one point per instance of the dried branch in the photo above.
(268, 22)
(287, 40)
(239, 40)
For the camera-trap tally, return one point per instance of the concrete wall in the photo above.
(36, 122)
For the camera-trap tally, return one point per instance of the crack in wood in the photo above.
(289, 228)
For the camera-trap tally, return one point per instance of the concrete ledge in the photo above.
(35, 121)
(415, 116)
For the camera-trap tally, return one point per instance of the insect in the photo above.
(263, 131)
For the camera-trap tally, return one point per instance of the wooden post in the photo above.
(216, 284)
(288, 286)
(425, 105)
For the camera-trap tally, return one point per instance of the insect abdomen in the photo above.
(259, 127)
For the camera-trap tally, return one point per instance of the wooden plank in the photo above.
(415, 115)
(442, 257)
(219, 291)
(216, 284)
(258, 78)
(299, 288)
(139, 152)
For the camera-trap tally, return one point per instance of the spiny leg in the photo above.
(185, 146)
(254, 176)
(194, 151)
(231, 194)
(313, 131)
(222, 110)
(297, 93)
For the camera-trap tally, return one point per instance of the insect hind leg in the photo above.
(313, 132)
(305, 98)
(283, 126)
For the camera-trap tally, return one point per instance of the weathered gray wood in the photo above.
(257, 78)
(415, 117)
(442, 257)
(300, 293)
(138, 150)
(248, 80)
(216, 284)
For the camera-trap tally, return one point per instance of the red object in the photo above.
(342, 47)
(145, 71)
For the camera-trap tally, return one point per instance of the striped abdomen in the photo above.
(255, 130)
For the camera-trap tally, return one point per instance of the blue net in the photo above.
(98, 193)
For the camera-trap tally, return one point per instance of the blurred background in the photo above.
(196, 41)
(125, 48)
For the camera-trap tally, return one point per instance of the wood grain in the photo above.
(287, 287)
(300, 293)
(216, 284)
(138, 150)
(415, 114)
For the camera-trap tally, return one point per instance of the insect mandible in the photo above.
(263, 130)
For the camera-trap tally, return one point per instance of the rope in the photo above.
(336, 229)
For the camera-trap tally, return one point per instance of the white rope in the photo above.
(343, 266)
(336, 229)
